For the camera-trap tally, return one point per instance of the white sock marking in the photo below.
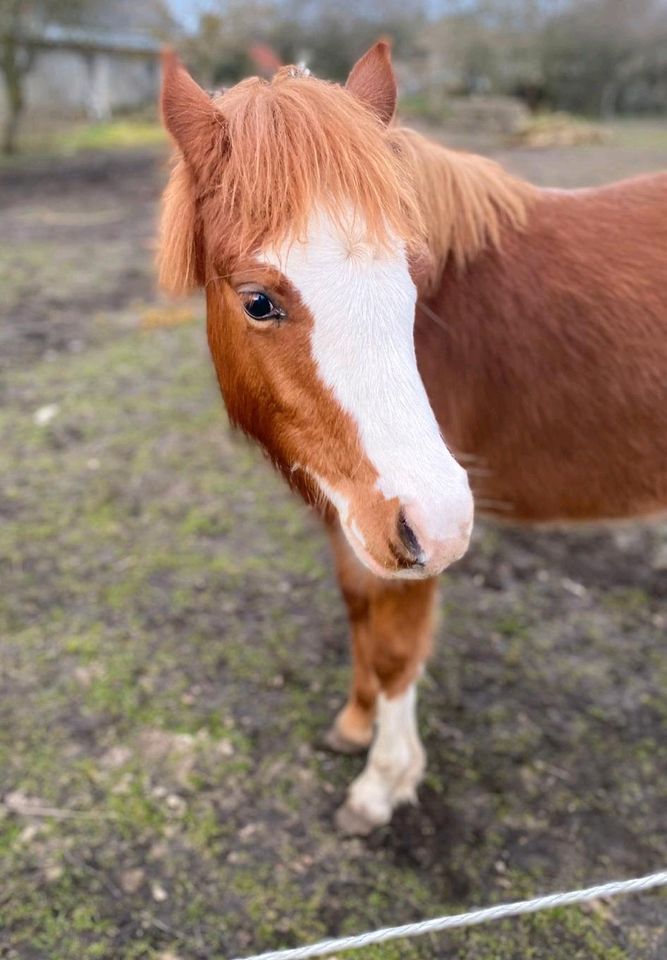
(395, 762)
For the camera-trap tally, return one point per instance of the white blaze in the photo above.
(362, 302)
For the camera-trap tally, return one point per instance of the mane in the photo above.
(466, 200)
(297, 143)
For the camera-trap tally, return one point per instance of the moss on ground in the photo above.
(172, 648)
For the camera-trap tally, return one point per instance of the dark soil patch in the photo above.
(77, 243)
(172, 647)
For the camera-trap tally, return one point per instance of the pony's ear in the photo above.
(373, 82)
(191, 117)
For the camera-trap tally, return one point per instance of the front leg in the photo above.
(392, 627)
(352, 730)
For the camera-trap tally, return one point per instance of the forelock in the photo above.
(297, 144)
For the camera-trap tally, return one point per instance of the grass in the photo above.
(556, 128)
(124, 133)
(170, 667)
(114, 135)
(173, 647)
(640, 134)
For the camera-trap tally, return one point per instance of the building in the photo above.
(108, 65)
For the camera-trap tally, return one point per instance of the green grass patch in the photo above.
(124, 133)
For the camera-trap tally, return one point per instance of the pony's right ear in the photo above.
(191, 117)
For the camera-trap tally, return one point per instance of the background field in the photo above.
(173, 646)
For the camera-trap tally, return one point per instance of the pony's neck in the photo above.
(466, 200)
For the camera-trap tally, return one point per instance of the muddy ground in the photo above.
(173, 648)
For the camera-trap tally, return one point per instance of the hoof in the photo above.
(357, 823)
(406, 792)
(339, 743)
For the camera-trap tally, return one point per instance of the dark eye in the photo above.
(259, 307)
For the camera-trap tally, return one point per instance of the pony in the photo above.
(381, 313)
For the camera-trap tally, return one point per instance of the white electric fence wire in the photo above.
(500, 912)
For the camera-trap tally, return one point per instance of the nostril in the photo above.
(409, 540)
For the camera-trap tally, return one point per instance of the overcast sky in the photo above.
(186, 11)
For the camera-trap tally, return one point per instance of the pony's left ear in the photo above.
(372, 81)
(191, 117)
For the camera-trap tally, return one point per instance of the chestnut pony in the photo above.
(376, 301)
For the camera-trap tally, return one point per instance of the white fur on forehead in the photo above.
(329, 241)
(362, 302)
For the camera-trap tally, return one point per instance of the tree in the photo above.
(581, 55)
(331, 37)
(219, 49)
(20, 22)
(587, 48)
(328, 37)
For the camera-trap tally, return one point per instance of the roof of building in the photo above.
(85, 38)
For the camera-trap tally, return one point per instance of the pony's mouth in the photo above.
(390, 539)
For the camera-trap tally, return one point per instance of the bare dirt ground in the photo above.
(172, 648)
